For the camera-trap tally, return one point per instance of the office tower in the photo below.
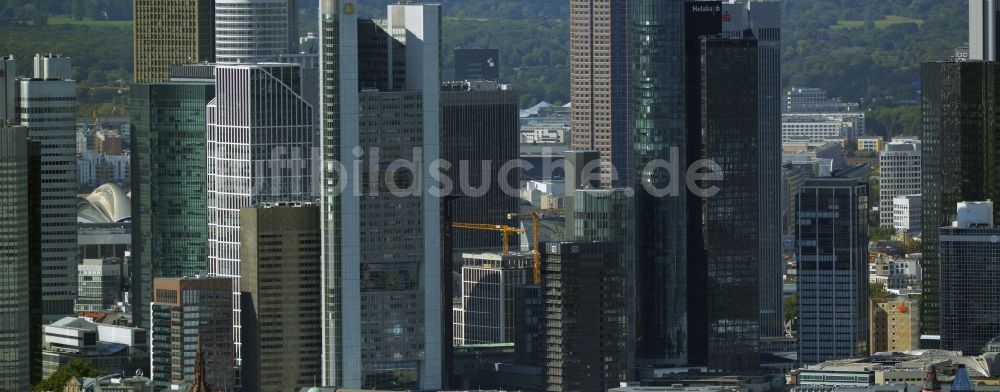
(14, 277)
(969, 264)
(529, 325)
(603, 215)
(487, 304)
(906, 213)
(280, 267)
(659, 134)
(248, 31)
(895, 325)
(100, 285)
(584, 312)
(983, 15)
(477, 64)
(724, 293)
(46, 105)
(169, 219)
(833, 268)
(368, 231)
(601, 83)
(958, 156)
(8, 89)
(169, 33)
(764, 19)
(204, 307)
(899, 175)
(35, 308)
(260, 139)
(479, 136)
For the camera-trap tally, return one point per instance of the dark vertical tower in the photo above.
(477, 64)
(601, 83)
(728, 282)
(960, 157)
(659, 134)
(584, 309)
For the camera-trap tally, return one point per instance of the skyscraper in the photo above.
(833, 267)
(487, 307)
(659, 134)
(477, 64)
(958, 157)
(475, 115)
(169, 33)
(899, 175)
(601, 83)
(169, 219)
(14, 263)
(280, 267)
(248, 31)
(584, 313)
(8, 88)
(969, 265)
(204, 307)
(983, 16)
(46, 105)
(259, 146)
(724, 290)
(393, 243)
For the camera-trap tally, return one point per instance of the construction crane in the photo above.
(505, 231)
(536, 255)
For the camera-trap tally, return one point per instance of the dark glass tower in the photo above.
(724, 302)
(659, 134)
(959, 148)
(168, 186)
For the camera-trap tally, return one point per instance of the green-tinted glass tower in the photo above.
(168, 185)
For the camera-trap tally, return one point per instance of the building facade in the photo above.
(968, 267)
(203, 308)
(958, 155)
(895, 325)
(906, 213)
(832, 237)
(249, 31)
(601, 83)
(46, 105)
(125, 349)
(487, 307)
(259, 150)
(380, 87)
(477, 64)
(475, 115)
(100, 285)
(280, 268)
(169, 221)
(983, 30)
(899, 175)
(14, 264)
(168, 33)
(584, 311)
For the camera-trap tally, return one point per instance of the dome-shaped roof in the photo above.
(106, 204)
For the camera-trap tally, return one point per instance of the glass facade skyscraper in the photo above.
(15, 326)
(959, 159)
(970, 250)
(168, 184)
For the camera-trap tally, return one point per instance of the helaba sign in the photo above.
(705, 8)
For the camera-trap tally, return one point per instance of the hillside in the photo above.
(864, 50)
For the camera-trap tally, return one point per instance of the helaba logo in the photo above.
(705, 8)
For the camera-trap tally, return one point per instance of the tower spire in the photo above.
(199, 384)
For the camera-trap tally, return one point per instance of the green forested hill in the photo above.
(855, 49)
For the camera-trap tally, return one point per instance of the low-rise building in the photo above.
(895, 324)
(100, 284)
(105, 346)
(890, 369)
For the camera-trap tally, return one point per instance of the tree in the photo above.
(876, 291)
(791, 307)
(73, 369)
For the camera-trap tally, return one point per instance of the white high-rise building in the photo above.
(906, 211)
(259, 147)
(899, 168)
(46, 104)
(248, 31)
(383, 320)
(983, 30)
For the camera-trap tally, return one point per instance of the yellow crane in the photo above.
(505, 231)
(536, 255)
